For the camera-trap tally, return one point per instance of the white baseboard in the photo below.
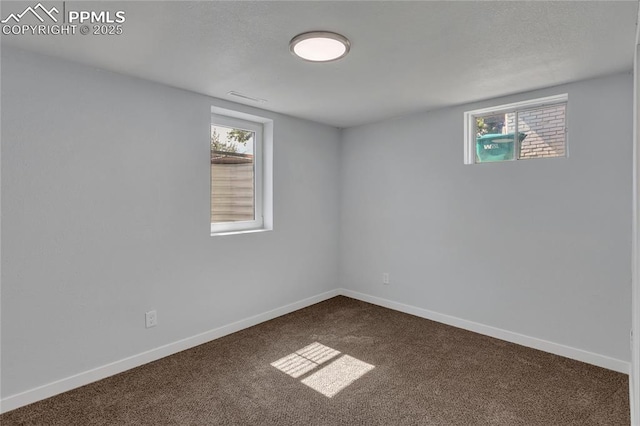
(498, 333)
(45, 391)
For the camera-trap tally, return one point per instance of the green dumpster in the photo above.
(495, 147)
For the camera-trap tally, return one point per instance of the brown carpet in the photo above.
(419, 373)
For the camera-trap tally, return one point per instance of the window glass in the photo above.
(530, 129)
(544, 132)
(232, 174)
(494, 141)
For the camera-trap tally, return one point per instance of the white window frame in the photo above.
(470, 123)
(262, 160)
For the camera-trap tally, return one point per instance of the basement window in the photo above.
(523, 130)
(240, 172)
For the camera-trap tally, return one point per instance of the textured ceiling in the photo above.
(405, 56)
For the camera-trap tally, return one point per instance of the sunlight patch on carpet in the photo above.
(294, 365)
(304, 360)
(318, 353)
(337, 375)
(329, 380)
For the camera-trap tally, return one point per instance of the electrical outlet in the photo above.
(151, 319)
(385, 278)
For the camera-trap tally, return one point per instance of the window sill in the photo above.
(244, 231)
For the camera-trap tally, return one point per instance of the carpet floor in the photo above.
(346, 362)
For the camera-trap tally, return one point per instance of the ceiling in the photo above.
(405, 56)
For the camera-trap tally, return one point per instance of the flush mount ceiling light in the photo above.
(320, 46)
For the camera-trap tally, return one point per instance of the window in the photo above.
(518, 131)
(238, 171)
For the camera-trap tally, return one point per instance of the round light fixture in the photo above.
(320, 46)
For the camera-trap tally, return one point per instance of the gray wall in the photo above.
(105, 214)
(538, 247)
